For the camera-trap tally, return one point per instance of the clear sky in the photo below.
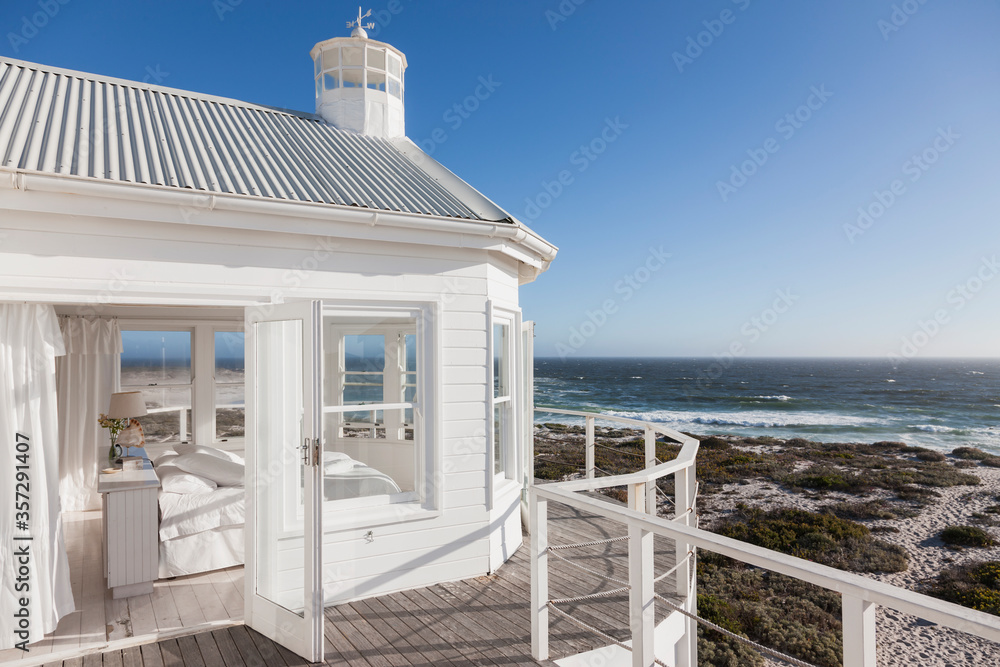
(739, 137)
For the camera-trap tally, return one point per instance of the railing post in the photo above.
(590, 463)
(539, 533)
(642, 609)
(859, 632)
(687, 648)
(650, 462)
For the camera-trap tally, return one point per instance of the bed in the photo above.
(203, 504)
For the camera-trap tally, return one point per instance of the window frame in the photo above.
(511, 473)
(201, 427)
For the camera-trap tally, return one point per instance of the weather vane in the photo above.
(361, 17)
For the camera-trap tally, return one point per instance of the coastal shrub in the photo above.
(962, 463)
(976, 585)
(823, 538)
(967, 536)
(826, 478)
(917, 494)
(991, 461)
(869, 510)
(973, 453)
(783, 613)
(930, 455)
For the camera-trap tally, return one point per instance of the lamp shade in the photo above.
(127, 404)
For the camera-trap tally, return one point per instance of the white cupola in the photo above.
(359, 83)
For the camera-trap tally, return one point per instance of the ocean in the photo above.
(937, 403)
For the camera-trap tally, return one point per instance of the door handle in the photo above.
(310, 452)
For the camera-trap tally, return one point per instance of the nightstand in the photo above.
(131, 530)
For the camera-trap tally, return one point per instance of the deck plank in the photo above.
(483, 621)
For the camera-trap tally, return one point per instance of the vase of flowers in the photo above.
(114, 426)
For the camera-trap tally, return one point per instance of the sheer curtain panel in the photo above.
(86, 377)
(34, 570)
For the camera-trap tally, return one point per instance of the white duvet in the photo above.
(184, 514)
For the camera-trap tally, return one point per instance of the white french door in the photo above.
(284, 417)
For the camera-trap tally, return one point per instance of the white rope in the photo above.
(588, 544)
(674, 568)
(592, 596)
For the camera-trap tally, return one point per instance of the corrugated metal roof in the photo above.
(61, 122)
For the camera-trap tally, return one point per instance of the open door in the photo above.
(527, 420)
(283, 586)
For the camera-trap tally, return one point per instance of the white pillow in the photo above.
(211, 451)
(165, 458)
(336, 462)
(175, 480)
(220, 471)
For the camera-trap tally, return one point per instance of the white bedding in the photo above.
(355, 481)
(200, 532)
(183, 514)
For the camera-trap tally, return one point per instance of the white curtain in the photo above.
(86, 376)
(33, 563)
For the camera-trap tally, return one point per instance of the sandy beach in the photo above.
(902, 640)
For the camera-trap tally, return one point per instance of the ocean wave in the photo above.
(751, 419)
(890, 380)
(931, 428)
(781, 397)
(635, 377)
(976, 373)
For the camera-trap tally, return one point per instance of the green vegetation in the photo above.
(867, 510)
(967, 536)
(991, 461)
(972, 453)
(975, 585)
(786, 614)
(823, 538)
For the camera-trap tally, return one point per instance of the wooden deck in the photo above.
(482, 621)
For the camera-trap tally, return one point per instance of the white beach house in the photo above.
(387, 364)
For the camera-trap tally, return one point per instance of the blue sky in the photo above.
(771, 261)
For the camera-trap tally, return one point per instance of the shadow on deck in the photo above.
(483, 621)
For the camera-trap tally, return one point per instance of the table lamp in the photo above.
(126, 405)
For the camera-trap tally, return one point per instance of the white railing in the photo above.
(860, 595)
(182, 417)
(641, 500)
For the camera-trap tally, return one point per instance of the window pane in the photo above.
(331, 58)
(395, 89)
(376, 81)
(229, 384)
(410, 350)
(352, 78)
(499, 412)
(156, 358)
(501, 360)
(168, 414)
(318, 65)
(331, 81)
(352, 56)
(319, 86)
(394, 65)
(364, 352)
(376, 59)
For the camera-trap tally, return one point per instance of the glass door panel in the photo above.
(284, 595)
